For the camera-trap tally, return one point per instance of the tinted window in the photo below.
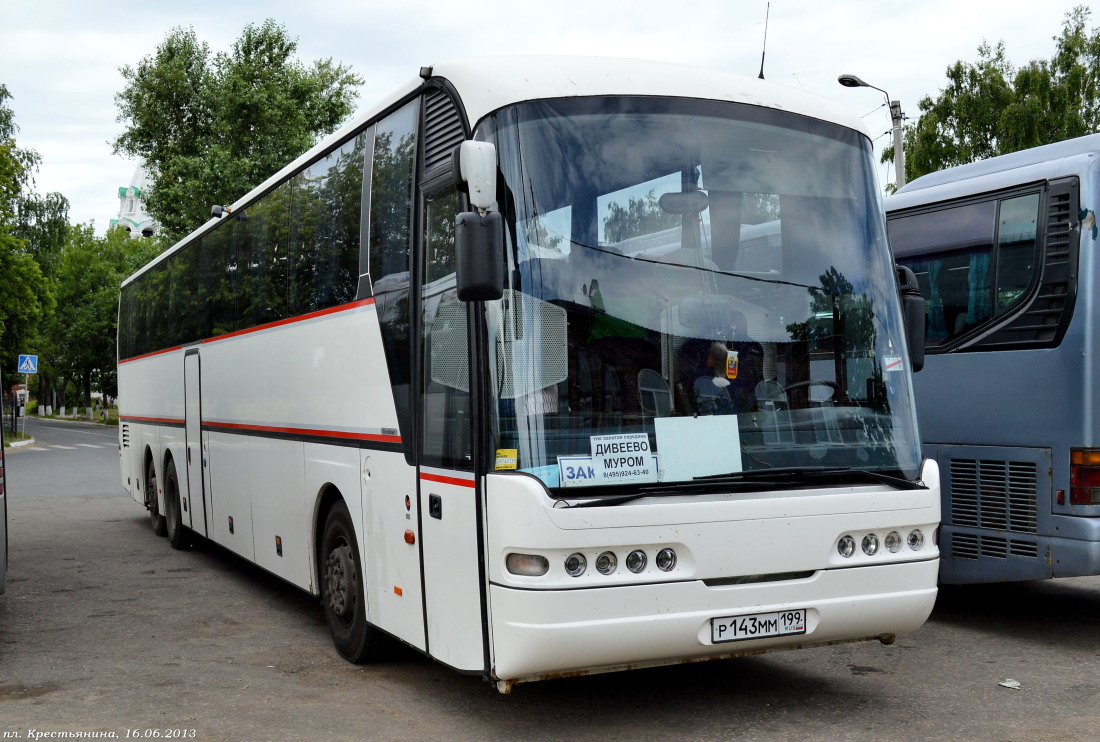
(973, 262)
(446, 383)
(295, 250)
(392, 169)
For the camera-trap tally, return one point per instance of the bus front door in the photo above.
(448, 496)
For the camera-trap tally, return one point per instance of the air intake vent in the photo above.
(999, 495)
(1043, 320)
(975, 546)
(442, 129)
(125, 435)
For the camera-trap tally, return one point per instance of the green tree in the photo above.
(79, 337)
(640, 216)
(210, 127)
(43, 221)
(24, 292)
(990, 108)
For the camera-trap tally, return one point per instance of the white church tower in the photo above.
(131, 207)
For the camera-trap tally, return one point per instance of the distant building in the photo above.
(131, 207)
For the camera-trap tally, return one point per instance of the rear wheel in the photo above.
(177, 534)
(155, 517)
(342, 586)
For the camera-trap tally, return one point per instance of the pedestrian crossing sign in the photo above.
(28, 364)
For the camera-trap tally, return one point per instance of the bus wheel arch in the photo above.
(152, 498)
(342, 584)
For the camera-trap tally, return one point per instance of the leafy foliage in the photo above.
(990, 108)
(25, 295)
(210, 127)
(79, 337)
(640, 216)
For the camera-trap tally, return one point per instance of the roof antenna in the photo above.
(767, 14)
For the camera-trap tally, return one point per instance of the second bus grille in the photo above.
(999, 495)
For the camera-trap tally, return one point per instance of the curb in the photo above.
(21, 444)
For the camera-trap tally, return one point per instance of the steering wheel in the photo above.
(836, 395)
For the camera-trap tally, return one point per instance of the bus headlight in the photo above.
(846, 546)
(916, 539)
(666, 560)
(636, 561)
(606, 563)
(575, 564)
(893, 542)
(870, 544)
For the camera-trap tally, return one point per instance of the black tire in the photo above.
(155, 517)
(177, 534)
(342, 591)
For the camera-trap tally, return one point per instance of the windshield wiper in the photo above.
(810, 473)
(752, 480)
(675, 488)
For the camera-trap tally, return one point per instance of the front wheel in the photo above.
(342, 590)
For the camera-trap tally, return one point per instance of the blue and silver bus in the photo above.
(1005, 252)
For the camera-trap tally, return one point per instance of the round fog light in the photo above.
(575, 565)
(893, 542)
(635, 561)
(606, 563)
(870, 544)
(916, 540)
(666, 560)
(846, 546)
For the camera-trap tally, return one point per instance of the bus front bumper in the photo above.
(540, 634)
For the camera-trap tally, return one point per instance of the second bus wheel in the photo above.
(155, 516)
(176, 532)
(342, 586)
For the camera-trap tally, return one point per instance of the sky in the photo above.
(60, 59)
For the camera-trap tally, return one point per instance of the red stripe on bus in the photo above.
(269, 325)
(292, 320)
(304, 431)
(446, 480)
(137, 419)
(150, 355)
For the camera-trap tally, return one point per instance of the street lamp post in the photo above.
(851, 81)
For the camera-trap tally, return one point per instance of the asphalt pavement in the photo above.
(106, 630)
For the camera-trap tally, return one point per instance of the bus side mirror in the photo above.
(479, 256)
(912, 307)
(475, 171)
(479, 235)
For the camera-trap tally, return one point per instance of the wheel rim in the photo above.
(342, 582)
(151, 493)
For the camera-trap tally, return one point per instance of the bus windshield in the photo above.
(695, 289)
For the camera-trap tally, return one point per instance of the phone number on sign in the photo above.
(626, 473)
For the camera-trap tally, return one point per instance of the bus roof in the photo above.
(1025, 166)
(486, 84)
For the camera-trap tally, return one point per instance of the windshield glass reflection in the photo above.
(695, 288)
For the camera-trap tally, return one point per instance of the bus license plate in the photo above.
(758, 626)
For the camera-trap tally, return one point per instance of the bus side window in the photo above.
(389, 241)
(974, 263)
(446, 384)
(1017, 228)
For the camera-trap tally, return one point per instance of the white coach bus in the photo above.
(547, 366)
